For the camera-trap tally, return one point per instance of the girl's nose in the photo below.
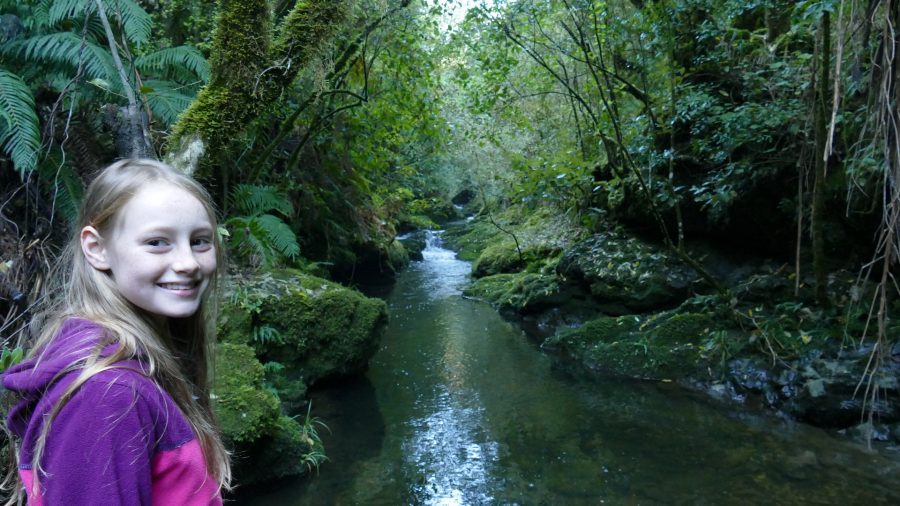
(185, 261)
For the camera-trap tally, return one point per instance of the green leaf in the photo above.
(67, 48)
(133, 19)
(254, 200)
(20, 135)
(165, 99)
(186, 57)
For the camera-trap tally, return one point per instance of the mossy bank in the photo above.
(619, 305)
(280, 332)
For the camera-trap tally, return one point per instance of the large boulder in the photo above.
(280, 331)
(522, 293)
(310, 327)
(626, 275)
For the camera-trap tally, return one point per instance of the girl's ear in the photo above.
(93, 249)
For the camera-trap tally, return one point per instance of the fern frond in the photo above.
(65, 9)
(247, 241)
(66, 48)
(279, 235)
(187, 57)
(136, 22)
(257, 199)
(38, 17)
(20, 135)
(165, 100)
(262, 240)
(133, 19)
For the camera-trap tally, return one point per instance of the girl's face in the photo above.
(160, 250)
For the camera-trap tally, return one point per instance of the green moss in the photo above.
(269, 444)
(680, 328)
(417, 222)
(235, 324)
(246, 411)
(323, 329)
(663, 346)
(470, 240)
(520, 292)
(248, 71)
(398, 257)
(497, 258)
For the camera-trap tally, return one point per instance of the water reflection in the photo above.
(458, 408)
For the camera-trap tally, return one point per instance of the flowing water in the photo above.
(459, 408)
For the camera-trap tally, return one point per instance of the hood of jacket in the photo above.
(29, 380)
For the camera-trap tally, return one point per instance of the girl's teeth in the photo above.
(170, 286)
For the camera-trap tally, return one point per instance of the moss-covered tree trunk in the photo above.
(252, 62)
(821, 131)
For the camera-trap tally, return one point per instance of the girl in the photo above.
(114, 403)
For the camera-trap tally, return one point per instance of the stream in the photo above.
(460, 408)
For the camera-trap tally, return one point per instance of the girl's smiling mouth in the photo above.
(180, 287)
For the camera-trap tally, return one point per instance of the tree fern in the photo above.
(66, 48)
(257, 199)
(187, 57)
(165, 99)
(20, 135)
(279, 235)
(36, 17)
(262, 240)
(134, 20)
(257, 236)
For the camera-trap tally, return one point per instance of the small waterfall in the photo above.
(433, 239)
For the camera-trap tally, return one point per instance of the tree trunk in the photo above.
(821, 130)
(250, 70)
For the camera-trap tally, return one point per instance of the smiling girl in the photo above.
(113, 398)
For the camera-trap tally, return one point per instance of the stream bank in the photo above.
(624, 307)
(458, 407)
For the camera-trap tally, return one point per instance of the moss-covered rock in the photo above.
(626, 273)
(522, 293)
(471, 238)
(246, 410)
(663, 346)
(498, 258)
(415, 243)
(313, 327)
(268, 445)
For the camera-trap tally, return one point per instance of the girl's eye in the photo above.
(157, 243)
(201, 244)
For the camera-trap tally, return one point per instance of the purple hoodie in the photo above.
(119, 440)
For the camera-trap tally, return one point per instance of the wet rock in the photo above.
(522, 293)
(663, 347)
(315, 328)
(415, 243)
(627, 271)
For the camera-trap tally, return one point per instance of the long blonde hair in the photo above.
(177, 354)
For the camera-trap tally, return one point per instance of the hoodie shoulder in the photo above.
(75, 340)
